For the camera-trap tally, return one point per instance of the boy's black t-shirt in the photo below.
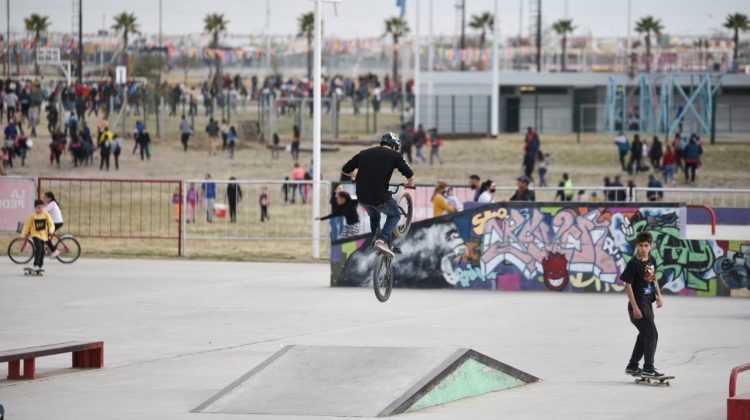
(635, 274)
(376, 166)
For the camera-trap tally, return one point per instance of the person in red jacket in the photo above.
(669, 163)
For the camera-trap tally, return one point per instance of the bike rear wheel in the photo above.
(406, 207)
(382, 278)
(69, 249)
(21, 250)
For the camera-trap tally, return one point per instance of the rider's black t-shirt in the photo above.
(375, 167)
(635, 274)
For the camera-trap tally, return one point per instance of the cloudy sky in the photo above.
(364, 18)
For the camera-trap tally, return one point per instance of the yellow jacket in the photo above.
(39, 226)
(440, 204)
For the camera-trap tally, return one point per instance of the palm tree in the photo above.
(215, 24)
(737, 22)
(36, 24)
(126, 23)
(307, 29)
(396, 28)
(647, 25)
(483, 23)
(562, 27)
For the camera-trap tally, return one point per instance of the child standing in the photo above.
(40, 226)
(177, 204)
(192, 200)
(544, 161)
(642, 289)
(264, 201)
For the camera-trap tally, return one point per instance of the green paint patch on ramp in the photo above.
(468, 380)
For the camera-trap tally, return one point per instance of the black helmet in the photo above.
(390, 139)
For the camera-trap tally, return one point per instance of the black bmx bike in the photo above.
(382, 276)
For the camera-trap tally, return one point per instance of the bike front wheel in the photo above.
(382, 278)
(21, 250)
(68, 249)
(406, 208)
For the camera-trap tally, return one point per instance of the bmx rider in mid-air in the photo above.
(372, 170)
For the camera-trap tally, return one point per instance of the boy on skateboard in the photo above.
(642, 290)
(40, 226)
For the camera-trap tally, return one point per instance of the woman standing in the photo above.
(347, 207)
(51, 207)
(440, 205)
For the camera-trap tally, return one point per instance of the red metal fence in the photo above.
(118, 208)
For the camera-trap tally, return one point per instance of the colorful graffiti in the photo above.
(512, 246)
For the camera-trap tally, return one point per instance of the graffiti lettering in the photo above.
(587, 244)
(479, 219)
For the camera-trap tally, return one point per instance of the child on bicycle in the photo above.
(372, 170)
(51, 207)
(40, 227)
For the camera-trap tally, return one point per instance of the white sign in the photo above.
(121, 74)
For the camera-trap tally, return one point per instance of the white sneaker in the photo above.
(55, 254)
(383, 247)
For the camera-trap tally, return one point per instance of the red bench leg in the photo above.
(93, 358)
(14, 369)
(29, 368)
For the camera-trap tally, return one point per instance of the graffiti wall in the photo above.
(548, 246)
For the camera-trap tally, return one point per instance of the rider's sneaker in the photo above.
(652, 373)
(54, 254)
(630, 370)
(383, 247)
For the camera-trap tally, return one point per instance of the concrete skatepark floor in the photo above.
(176, 332)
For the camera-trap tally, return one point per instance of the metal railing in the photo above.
(714, 197)
(288, 211)
(116, 208)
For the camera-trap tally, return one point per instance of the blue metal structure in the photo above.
(687, 102)
(622, 112)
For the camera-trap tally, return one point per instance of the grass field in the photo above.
(587, 162)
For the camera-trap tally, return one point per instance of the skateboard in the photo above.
(28, 271)
(660, 381)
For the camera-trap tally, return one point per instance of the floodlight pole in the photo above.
(80, 41)
(495, 107)
(430, 65)
(415, 88)
(316, 132)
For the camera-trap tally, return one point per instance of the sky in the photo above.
(364, 18)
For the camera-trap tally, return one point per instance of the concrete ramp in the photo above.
(362, 381)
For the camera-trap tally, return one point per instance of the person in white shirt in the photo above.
(51, 207)
(488, 189)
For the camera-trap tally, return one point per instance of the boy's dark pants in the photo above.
(38, 252)
(645, 344)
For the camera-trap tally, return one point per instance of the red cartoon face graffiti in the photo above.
(556, 272)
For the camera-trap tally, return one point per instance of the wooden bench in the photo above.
(86, 354)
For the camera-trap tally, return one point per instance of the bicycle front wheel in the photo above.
(382, 278)
(68, 249)
(21, 251)
(406, 208)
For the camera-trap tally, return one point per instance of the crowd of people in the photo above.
(682, 154)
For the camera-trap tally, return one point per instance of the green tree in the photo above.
(127, 24)
(36, 24)
(306, 23)
(215, 24)
(483, 23)
(396, 28)
(648, 25)
(562, 27)
(737, 22)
